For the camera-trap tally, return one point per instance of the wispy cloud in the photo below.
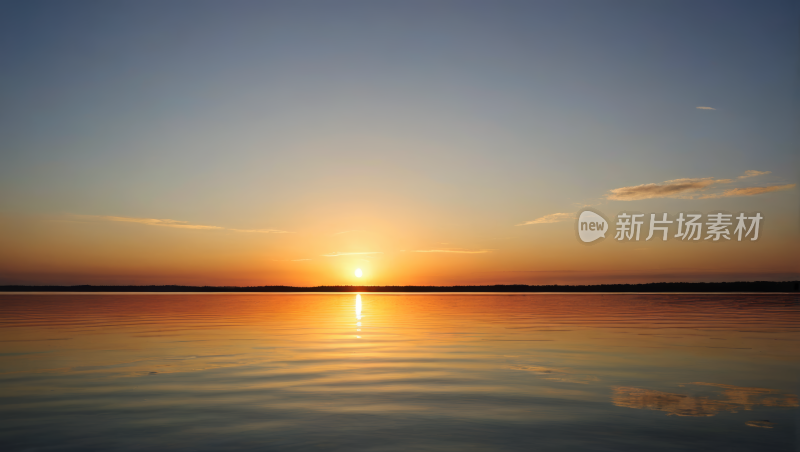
(154, 222)
(551, 218)
(691, 188)
(262, 231)
(753, 173)
(676, 188)
(454, 251)
(705, 108)
(172, 223)
(749, 191)
(337, 254)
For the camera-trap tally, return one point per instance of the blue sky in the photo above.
(445, 118)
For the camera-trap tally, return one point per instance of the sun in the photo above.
(358, 273)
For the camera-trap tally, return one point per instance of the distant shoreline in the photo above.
(663, 287)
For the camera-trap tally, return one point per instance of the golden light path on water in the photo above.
(431, 371)
(358, 314)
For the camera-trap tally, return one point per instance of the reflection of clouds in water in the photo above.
(762, 424)
(563, 375)
(677, 404)
(749, 397)
(735, 398)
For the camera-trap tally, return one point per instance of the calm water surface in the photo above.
(399, 372)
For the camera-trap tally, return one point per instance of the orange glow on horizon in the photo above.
(113, 253)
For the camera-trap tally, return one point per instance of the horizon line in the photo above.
(728, 286)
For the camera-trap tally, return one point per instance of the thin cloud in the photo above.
(337, 254)
(165, 222)
(454, 251)
(749, 191)
(691, 188)
(551, 218)
(157, 222)
(676, 188)
(299, 260)
(262, 231)
(753, 173)
(705, 108)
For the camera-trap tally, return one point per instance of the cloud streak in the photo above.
(676, 188)
(261, 231)
(753, 173)
(705, 108)
(164, 222)
(338, 254)
(454, 251)
(690, 188)
(157, 222)
(749, 191)
(551, 218)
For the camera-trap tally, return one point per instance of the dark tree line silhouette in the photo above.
(740, 286)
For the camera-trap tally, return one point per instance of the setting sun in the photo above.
(572, 223)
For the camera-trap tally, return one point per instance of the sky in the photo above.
(289, 143)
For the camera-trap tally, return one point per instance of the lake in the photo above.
(399, 372)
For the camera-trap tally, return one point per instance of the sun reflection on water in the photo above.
(358, 313)
(451, 372)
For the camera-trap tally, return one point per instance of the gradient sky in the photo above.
(251, 143)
